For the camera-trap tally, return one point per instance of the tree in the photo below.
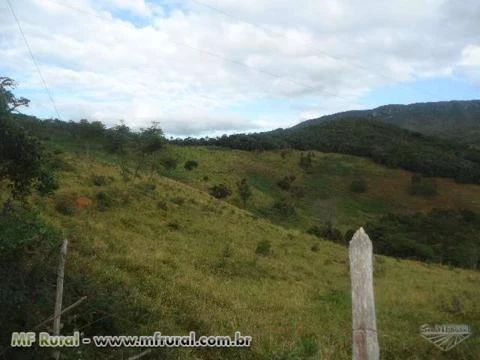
(21, 155)
(244, 191)
(149, 142)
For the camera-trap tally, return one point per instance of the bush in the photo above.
(99, 180)
(327, 231)
(420, 186)
(315, 247)
(191, 164)
(65, 205)
(205, 178)
(20, 228)
(169, 163)
(284, 209)
(286, 182)
(178, 200)
(220, 191)
(162, 205)
(297, 192)
(104, 200)
(47, 184)
(263, 247)
(358, 186)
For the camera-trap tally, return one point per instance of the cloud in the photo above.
(197, 70)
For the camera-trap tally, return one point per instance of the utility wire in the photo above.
(307, 43)
(34, 59)
(218, 56)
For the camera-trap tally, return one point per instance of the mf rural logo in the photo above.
(445, 337)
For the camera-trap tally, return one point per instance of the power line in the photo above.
(33, 59)
(218, 56)
(316, 49)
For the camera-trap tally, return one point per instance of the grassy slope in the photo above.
(180, 279)
(326, 188)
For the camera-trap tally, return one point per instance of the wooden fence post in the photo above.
(365, 340)
(59, 297)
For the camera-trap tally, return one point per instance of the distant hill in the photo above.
(451, 119)
(384, 143)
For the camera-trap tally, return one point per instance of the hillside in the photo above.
(160, 255)
(154, 251)
(449, 119)
(384, 143)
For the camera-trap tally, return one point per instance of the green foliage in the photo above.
(306, 161)
(263, 247)
(384, 143)
(21, 228)
(65, 205)
(191, 164)
(445, 236)
(220, 191)
(358, 186)
(99, 180)
(420, 186)
(244, 191)
(327, 231)
(47, 183)
(284, 209)
(169, 163)
(286, 182)
(315, 247)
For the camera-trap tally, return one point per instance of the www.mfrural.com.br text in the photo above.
(44, 339)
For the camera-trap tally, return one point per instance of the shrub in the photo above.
(104, 201)
(191, 164)
(284, 209)
(297, 192)
(358, 186)
(47, 184)
(286, 182)
(315, 247)
(205, 178)
(99, 180)
(220, 191)
(173, 225)
(263, 247)
(169, 163)
(327, 231)
(65, 205)
(162, 205)
(420, 186)
(178, 200)
(349, 235)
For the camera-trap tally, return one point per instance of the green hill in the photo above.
(448, 119)
(159, 255)
(154, 251)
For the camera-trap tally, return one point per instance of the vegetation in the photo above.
(244, 191)
(358, 186)
(421, 186)
(220, 191)
(443, 236)
(384, 143)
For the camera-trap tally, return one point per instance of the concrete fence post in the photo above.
(365, 340)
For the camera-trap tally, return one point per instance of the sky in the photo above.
(210, 67)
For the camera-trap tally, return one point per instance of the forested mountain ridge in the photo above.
(386, 144)
(450, 119)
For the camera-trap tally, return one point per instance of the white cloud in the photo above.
(175, 67)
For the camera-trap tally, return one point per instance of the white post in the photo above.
(365, 341)
(59, 297)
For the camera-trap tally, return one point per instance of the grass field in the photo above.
(171, 258)
(326, 194)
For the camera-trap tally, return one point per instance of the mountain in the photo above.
(451, 119)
